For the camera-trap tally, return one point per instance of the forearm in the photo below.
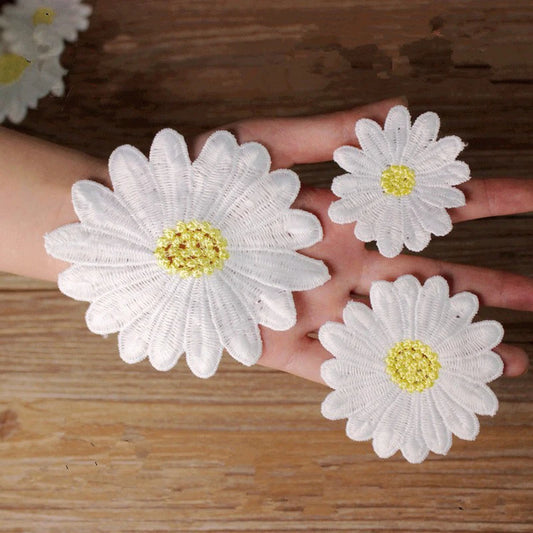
(35, 181)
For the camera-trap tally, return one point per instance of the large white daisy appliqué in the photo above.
(413, 369)
(400, 182)
(189, 258)
(46, 23)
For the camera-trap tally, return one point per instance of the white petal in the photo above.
(416, 238)
(171, 167)
(440, 196)
(389, 233)
(259, 204)
(475, 397)
(362, 425)
(283, 269)
(407, 288)
(355, 186)
(413, 447)
(87, 283)
(364, 231)
(238, 178)
(131, 346)
(343, 372)
(165, 330)
(433, 219)
(136, 188)
(464, 307)
(359, 348)
(234, 323)
(97, 206)
(203, 359)
(387, 307)
(373, 141)
(397, 128)
(436, 434)
(431, 307)
(359, 400)
(479, 337)
(356, 161)
(202, 345)
(423, 134)
(483, 367)
(274, 308)
(295, 229)
(452, 174)
(164, 360)
(115, 309)
(459, 421)
(360, 429)
(367, 207)
(391, 429)
(76, 244)
(216, 156)
(224, 185)
(438, 154)
(357, 315)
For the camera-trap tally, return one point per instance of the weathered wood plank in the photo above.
(88, 444)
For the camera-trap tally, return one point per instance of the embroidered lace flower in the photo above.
(24, 81)
(413, 369)
(45, 22)
(400, 183)
(188, 257)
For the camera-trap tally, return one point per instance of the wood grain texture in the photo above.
(88, 444)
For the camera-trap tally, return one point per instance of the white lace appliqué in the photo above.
(24, 81)
(413, 369)
(45, 23)
(188, 257)
(400, 182)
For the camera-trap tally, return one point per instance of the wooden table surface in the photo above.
(88, 444)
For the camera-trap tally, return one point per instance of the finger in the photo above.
(494, 288)
(291, 141)
(304, 360)
(494, 197)
(515, 360)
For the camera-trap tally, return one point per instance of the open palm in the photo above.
(352, 267)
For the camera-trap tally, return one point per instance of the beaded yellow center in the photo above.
(11, 67)
(192, 249)
(398, 180)
(412, 365)
(43, 15)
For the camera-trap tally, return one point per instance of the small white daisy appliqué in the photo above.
(47, 23)
(189, 257)
(413, 369)
(24, 81)
(400, 182)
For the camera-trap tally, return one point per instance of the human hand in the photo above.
(352, 267)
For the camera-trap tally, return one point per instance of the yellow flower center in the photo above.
(191, 249)
(412, 365)
(398, 180)
(43, 15)
(11, 67)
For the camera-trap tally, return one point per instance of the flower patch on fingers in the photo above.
(189, 257)
(400, 183)
(411, 371)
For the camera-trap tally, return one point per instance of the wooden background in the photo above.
(88, 444)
